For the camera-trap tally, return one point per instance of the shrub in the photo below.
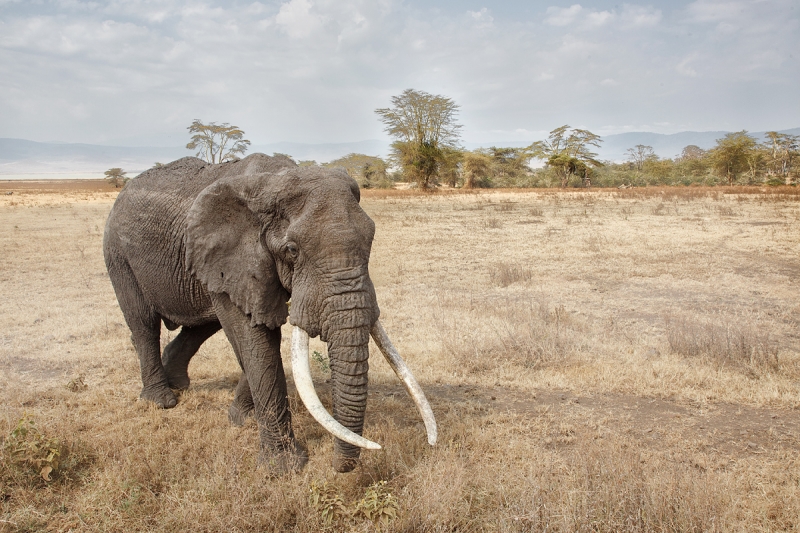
(31, 455)
(377, 505)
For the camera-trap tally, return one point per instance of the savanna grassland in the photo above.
(597, 361)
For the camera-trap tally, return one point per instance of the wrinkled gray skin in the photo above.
(225, 246)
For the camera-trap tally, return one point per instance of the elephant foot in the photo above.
(177, 372)
(177, 380)
(345, 456)
(162, 396)
(344, 464)
(237, 415)
(280, 463)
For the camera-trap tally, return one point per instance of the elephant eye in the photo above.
(291, 250)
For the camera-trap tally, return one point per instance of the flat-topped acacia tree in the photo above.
(216, 143)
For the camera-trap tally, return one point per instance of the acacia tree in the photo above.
(116, 177)
(216, 143)
(639, 154)
(368, 171)
(476, 169)
(692, 152)
(693, 161)
(733, 155)
(449, 165)
(424, 128)
(783, 150)
(510, 162)
(568, 153)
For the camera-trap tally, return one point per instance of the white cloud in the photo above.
(577, 16)
(684, 69)
(599, 18)
(563, 16)
(482, 18)
(297, 19)
(714, 10)
(314, 72)
(639, 16)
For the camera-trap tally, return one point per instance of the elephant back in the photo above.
(188, 176)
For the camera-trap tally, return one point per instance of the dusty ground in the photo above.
(599, 361)
(11, 187)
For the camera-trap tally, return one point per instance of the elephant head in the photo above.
(277, 232)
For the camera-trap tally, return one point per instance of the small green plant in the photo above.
(27, 449)
(328, 502)
(321, 361)
(378, 505)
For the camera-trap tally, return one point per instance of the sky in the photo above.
(137, 72)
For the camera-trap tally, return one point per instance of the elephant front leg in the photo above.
(258, 351)
(242, 405)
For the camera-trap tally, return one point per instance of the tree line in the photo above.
(425, 151)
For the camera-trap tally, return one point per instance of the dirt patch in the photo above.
(33, 369)
(730, 430)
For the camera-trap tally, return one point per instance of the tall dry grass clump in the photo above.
(525, 334)
(726, 341)
(505, 274)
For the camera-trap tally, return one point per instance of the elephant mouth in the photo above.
(305, 387)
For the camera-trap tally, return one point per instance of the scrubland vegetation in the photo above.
(617, 360)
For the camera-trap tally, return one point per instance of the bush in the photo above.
(30, 455)
(377, 505)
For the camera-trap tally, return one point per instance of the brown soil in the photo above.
(731, 429)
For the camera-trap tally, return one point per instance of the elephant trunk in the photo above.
(349, 321)
(348, 351)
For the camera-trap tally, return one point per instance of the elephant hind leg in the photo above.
(180, 351)
(145, 325)
(155, 386)
(146, 337)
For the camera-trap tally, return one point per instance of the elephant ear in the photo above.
(224, 248)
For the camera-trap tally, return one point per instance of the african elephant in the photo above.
(226, 246)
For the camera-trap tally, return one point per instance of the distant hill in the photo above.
(664, 145)
(323, 153)
(22, 159)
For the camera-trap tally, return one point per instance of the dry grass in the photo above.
(741, 344)
(597, 361)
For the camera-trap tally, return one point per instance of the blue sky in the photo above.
(139, 71)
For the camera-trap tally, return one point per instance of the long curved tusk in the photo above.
(305, 388)
(404, 373)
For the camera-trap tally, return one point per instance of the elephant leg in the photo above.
(259, 352)
(180, 351)
(155, 386)
(242, 404)
(145, 325)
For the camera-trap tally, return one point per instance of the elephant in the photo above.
(226, 246)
